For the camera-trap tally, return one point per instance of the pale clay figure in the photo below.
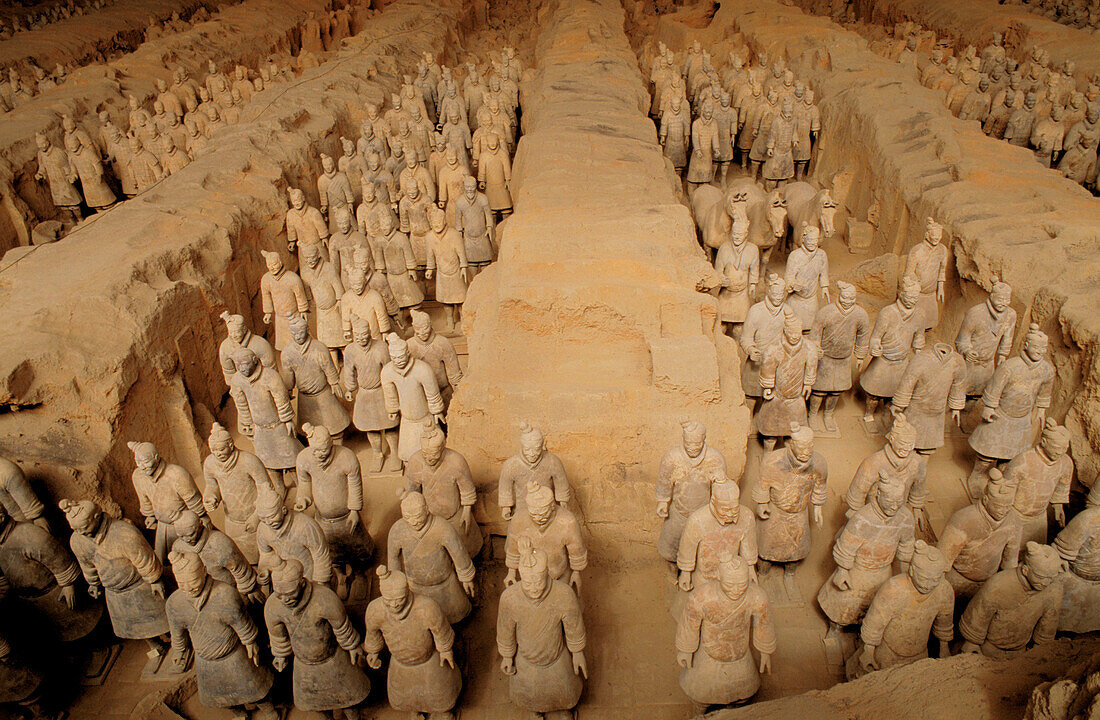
(443, 476)
(433, 557)
(781, 145)
(933, 384)
(1016, 607)
(982, 538)
(737, 261)
(363, 306)
(307, 624)
(264, 412)
(334, 189)
(541, 640)
(553, 531)
(411, 393)
(763, 329)
(307, 368)
(362, 380)
(841, 330)
(53, 167)
(290, 535)
(532, 462)
(807, 276)
(713, 636)
(221, 557)
(164, 490)
(18, 497)
(927, 262)
(1079, 546)
(985, 337)
(898, 331)
(283, 296)
(723, 525)
(1041, 476)
(787, 376)
(899, 458)
(422, 677)
(684, 481)
(305, 225)
(446, 261)
(438, 352)
(322, 278)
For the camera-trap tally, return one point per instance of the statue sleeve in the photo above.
(145, 503)
(573, 623)
(20, 490)
(952, 541)
(687, 553)
(748, 550)
(978, 614)
(281, 397)
(291, 233)
(763, 628)
(507, 643)
(277, 633)
(943, 627)
(1046, 389)
(176, 628)
(563, 493)
(766, 478)
(574, 546)
(265, 296)
(506, 491)
(690, 625)
(664, 480)
(820, 492)
(84, 551)
(393, 549)
(442, 633)
(865, 477)
(1005, 345)
(991, 398)
(918, 493)
(878, 615)
(189, 493)
(450, 356)
(142, 557)
(355, 485)
(50, 553)
(348, 372)
(1073, 537)
(904, 394)
(847, 545)
(346, 634)
(769, 366)
(237, 617)
(373, 641)
(863, 333)
(328, 367)
(1010, 557)
(431, 391)
(319, 552)
(244, 575)
(300, 293)
(464, 566)
(956, 396)
(1047, 626)
(908, 539)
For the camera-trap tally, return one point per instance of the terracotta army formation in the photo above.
(927, 262)
(438, 352)
(1041, 476)
(763, 329)
(308, 368)
(933, 384)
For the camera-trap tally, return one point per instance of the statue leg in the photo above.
(451, 313)
(872, 406)
(831, 400)
(158, 648)
(376, 446)
(790, 583)
(393, 462)
(769, 442)
(755, 169)
(815, 405)
(265, 710)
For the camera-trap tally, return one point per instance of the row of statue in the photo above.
(14, 22)
(1034, 104)
(759, 115)
(1083, 14)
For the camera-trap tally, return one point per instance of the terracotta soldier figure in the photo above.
(839, 331)
(985, 337)
(904, 610)
(1041, 476)
(85, 166)
(554, 531)
(233, 477)
(782, 140)
(722, 525)
(163, 490)
(283, 295)
(684, 482)
(325, 289)
(1016, 607)
(422, 677)
(676, 133)
(438, 352)
(807, 123)
(927, 262)
(446, 260)
(474, 219)
(362, 380)
(494, 175)
(787, 375)
(288, 534)
(308, 368)
(209, 621)
(442, 475)
(264, 413)
(704, 146)
(532, 462)
(981, 538)
(541, 639)
(1019, 386)
(53, 167)
(223, 560)
(305, 225)
(331, 481)
(769, 112)
(898, 458)
(807, 276)
(394, 255)
(762, 330)
(864, 553)
(307, 622)
(431, 554)
(933, 383)
(18, 498)
(791, 481)
(712, 637)
(363, 305)
(898, 331)
(1079, 546)
(144, 165)
(738, 262)
(119, 564)
(410, 389)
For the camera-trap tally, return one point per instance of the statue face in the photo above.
(147, 463)
(275, 520)
(542, 516)
(809, 240)
(191, 582)
(901, 446)
(362, 338)
(727, 512)
(890, 496)
(1052, 447)
(432, 450)
(321, 449)
(1036, 578)
(415, 514)
(1000, 300)
(908, 296)
(847, 299)
(776, 293)
(274, 264)
(385, 223)
(802, 450)
(422, 330)
(357, 282)
(531, 449)
(397, 602)
(792, 333)
(924, 580)
(470, 187)
(533, 583)
(289, 594)
(1035, 349)
(400, 358)
(997, 498)
(247, 365)
(42, 143)
(439, 222)
(223, 450)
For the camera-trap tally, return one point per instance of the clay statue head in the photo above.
(422, 325)
(72, 144)
(189, 571)
(362, 330)
(343, 224)
(189, 526)
(83, 516)
(370, 191)
(297, 198)
(394, 589)
(801, 444)
(299, 327)
(739, 233)
(773, 96)
(534, 577)
(247, 362)
(469, 184)
(42, 142)
(846, 294)
(1035, 343)
(450, 155)
(328, 165)
(997, 496)
(733, 576)
(927, 568)
(776, 291)
(531, 443)
(810, 237)
(320, 441)
(911, 42)
(1030, 99)
(902, 437)
(908, 291)
(221, 442)
(725, 501)
(937, 56)
(385, 223)
(1092, 112)
(399, 350)
(1040, 566)
(270, 509)
(540, 503)
(414, 510)
(1054, 442)
(395, 100)
(694, 437)
(273, 262)
(890, 495)
(288, 582)
(708, 109)
(374, 161)
(792, 328)
(409, 186)
(983, 83)
(432, 442)
(1057, 112)
(677, 101)
(951, 64)
(1000, 297)
(146, 457)
(933, 232)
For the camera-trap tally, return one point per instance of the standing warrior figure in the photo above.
(807, 276)
(1015, 607)
(532, 462)
(334, 189)
(474, 219)
(786, 378)
(410, 390)
(1019, 386)
(362, 380)
(721, 526)
(494, 175)
(363, 305)
(325, 289)
(684, 483)
(430, 552)
(934, 382)
(438, 352)
(443, 477)
(290, 535)
(898, 331)
(541, 639)
(307, 622)
(330, 480)
(839, 331)
(394, 256)
(18, 498)
(308, 368)
(304, 223)
(782, 142)
(53, 167)
(553, 531)
(1079, 546)
(904, 610)
(84, 165)
(807, 122)
(676, 133)
(233, 478)
(446, 260)
(898, 459)
(791, 481)
(763, 328)
(208, 619)
(985, 337)
(222, 558)
(1042, 477)
(738, 262)
(704, 147)
(422, 677)
(927, 262)
(283, 295)
(264, 413)
(712, 637)
(238, 337)
(164, 491)
(981, 538)
(118, 563)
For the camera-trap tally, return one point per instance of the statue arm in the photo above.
(507, 641)
(317, 544)
(689, 627)
(355, 486)
(763, 628)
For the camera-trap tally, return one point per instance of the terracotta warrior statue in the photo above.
(283, 295)
(431, 554)
(307, 367)
(1016, 607)
(362, 380)
(738, 263)
(840, 331)
(119, 564)
(684, 481)
(553, 531)
(325, 290)
(223, 560)
(1079, 546)
(1042, 476)
(363, 304)
(933, 384)
(904, 611)
(264, 413)
(781, 144)
(1020, 387)
(927, 262)
(411, 392)
(713, 633)
(762, 330)
(981, 538)
(897, 333)
(164, 490)
(985, 337)
(53, 167)
(447, 263)
(307, 623)
(290, 535)
(787, 375)
(18, 497)
(807, 276)
(438, 352)
(238, 337)
(541, 639)
(233, 477)
(422, 677)
(474, 219)
(442, 476)
(704, 146)
(210, 622)
(532, 462)
(722, 525)
(898, 458)
(305, 225)
(791, 481)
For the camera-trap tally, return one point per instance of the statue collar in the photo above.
(199, 602)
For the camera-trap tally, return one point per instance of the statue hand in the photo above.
(158, 588)
(211, 503)
(840, 578)
(289, 425)
(447, 659)
(807, 391)
(768, 394)
(150, 523)
(302, 503)
(510, 578)
(1042, 417)
(251, 524)
(685, 581)
(969, 647)
(867, 658)
(918, 519)
(355, 655)
(256, 597)
(267, 318)
(506, 512)
(971, 356)
(428, 274)
(392, 416)
(508, 666)
(939, 294)
(412, 275)
(956, 417)
(374, 660)
(253, 650)
(825, 294)
(763, 512)
(442, 205)
(336, 392)
(662, 509)
(349, 396)
(95, 591)
(467, 520)
(683, 659)
(765, 664)
(945, 649)
(989, 414)
(575, 581)
(68, 596)
(1060, 515)
(468, 588)
(771, 152)
(580, 666)
(347, 335)
(465, 275)
(280, 664)
(817, 515)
